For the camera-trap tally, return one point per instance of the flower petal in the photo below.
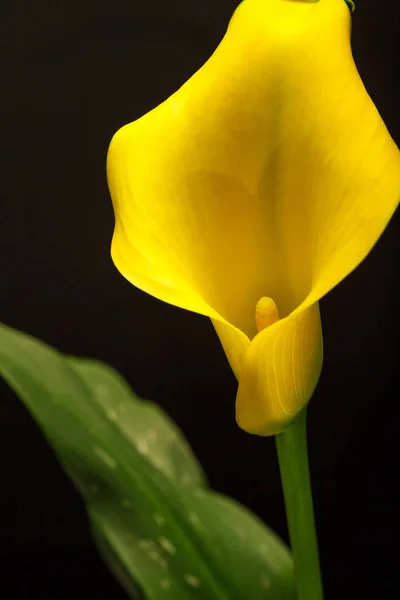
(270, 173)
(188, 231)
(279, 373)
(235, 344)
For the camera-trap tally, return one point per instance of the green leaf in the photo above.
(163, 533)
(144, 424)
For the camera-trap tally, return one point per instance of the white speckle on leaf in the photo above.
(159, 519)
(158, 559)
(165, 584)
(142, 446)
(195, 520)
(273, 562)
(167, 545)
(106, 458)
(111, 414)
(192, 580)
(125, 503)
(152, 552)
(151, 435)
(146, 545)
(265, 582)
(275, 565)
(199, 493)
(102, 389)
(162, 466)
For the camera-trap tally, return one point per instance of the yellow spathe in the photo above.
(269, 174)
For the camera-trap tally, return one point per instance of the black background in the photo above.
(72, 73)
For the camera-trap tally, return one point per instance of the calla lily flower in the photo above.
(254, 190)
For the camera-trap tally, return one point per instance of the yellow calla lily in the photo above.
(254, 190)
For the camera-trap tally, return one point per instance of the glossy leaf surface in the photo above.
(162, 532)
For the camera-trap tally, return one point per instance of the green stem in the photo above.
(295, 475)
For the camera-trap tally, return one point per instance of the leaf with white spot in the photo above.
(164, 535)
(250, 558)
(142, 422)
